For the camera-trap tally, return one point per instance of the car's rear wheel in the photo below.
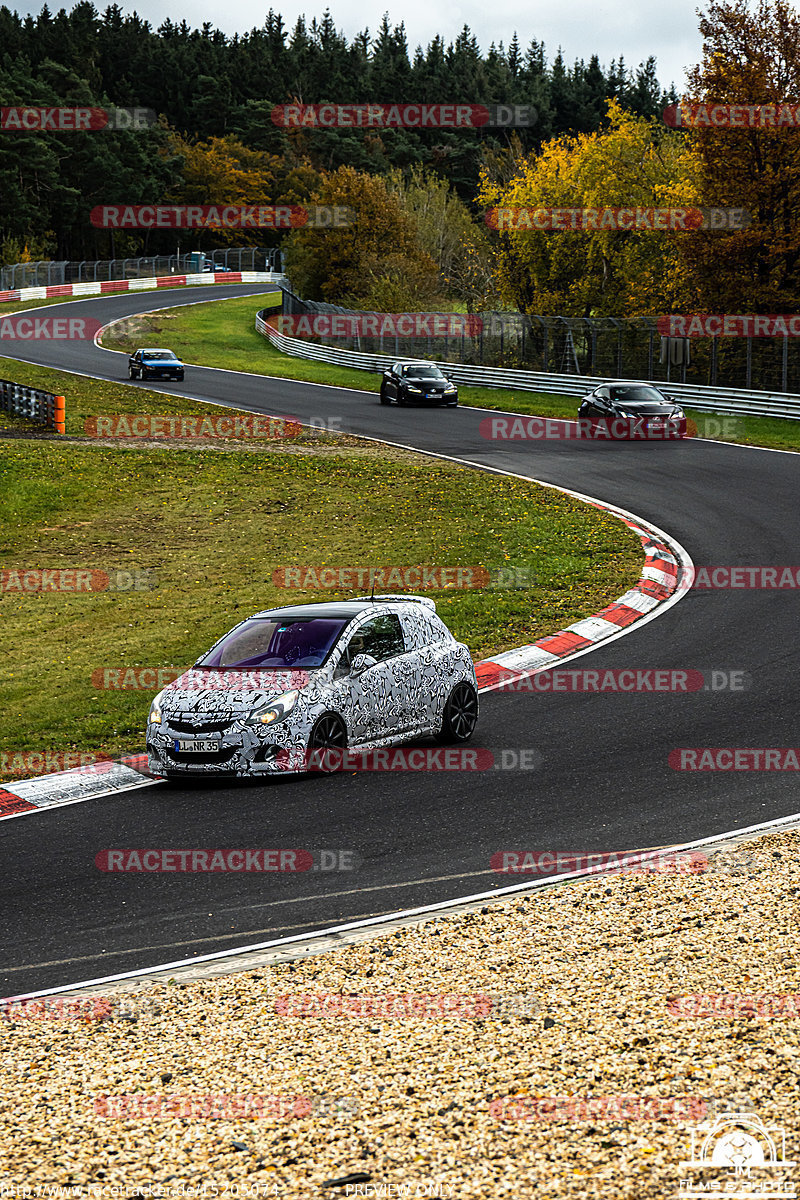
(327, 744)
(460, 714)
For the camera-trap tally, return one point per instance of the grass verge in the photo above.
(213, 521)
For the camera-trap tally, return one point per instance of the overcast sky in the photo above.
(609, 28)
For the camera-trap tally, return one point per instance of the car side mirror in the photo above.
(362, 663)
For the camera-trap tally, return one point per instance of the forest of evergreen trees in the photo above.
(206, 85)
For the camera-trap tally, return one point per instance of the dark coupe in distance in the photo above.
(417, 383)
(155, 364)
(633, 410)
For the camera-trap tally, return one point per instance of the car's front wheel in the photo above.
(384, 398)
(179, 377)
(131, 373)
(460, 714)
(327, 744)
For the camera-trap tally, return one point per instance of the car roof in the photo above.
(346, 610)
(156, 350)
(630, 383)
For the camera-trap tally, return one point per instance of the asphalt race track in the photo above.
(604, 782)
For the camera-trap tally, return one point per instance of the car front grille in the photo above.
(199, 726)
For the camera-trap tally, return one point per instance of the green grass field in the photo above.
(214, 521)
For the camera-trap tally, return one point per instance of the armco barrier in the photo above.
(735, 401)
(42, 407)
(139, 285)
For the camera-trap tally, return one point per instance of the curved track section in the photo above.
(604, 782)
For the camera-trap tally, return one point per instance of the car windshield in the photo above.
(276, 643)
(637, 394)
(423, 373)
(160, 354)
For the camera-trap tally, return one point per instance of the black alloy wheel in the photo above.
(460, 714)
(327, 745)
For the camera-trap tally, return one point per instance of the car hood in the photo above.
(204, 689)
(646, 408)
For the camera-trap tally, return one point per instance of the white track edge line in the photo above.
(441, 906)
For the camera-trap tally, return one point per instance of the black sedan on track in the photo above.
(627, 409)
(155, 364)
(417, 383)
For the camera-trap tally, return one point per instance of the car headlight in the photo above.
(276, 710)
(410, 388)
(678, 415)
(155, 711)
(451, 388)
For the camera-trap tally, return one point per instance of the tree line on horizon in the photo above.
(214, 90)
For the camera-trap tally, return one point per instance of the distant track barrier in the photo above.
(42, 407)
(733, 401)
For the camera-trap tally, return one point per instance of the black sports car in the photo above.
(631, 410)
(417, 383)
(154, 364)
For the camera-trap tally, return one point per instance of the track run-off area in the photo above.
(604, 780)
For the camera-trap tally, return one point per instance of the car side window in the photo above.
(382, 637)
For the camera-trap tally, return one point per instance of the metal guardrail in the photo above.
(733, 401)
(42, 407)
(51, 273)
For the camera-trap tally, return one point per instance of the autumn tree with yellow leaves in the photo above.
(633, 162)
(223, 171)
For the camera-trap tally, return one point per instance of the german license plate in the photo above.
(196, 746)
